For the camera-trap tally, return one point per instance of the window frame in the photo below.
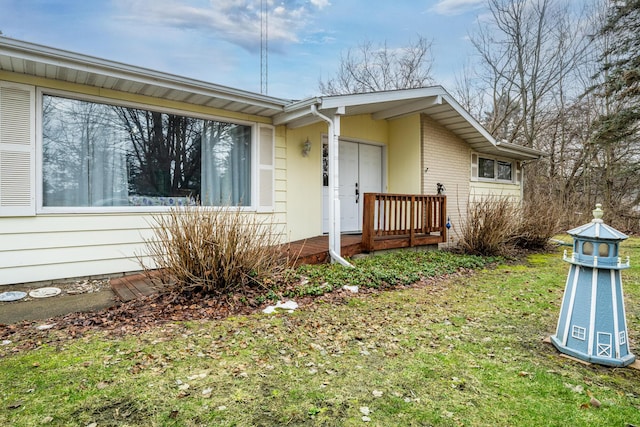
(579, 332)
(496, 163)
(39, 184)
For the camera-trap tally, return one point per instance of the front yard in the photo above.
(465, 349)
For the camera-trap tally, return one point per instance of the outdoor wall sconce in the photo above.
(306, 148)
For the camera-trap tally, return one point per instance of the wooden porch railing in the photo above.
(403, 220)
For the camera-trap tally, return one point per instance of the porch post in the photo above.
(334, 189)
(334, 185)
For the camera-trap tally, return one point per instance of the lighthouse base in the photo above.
(626, 360)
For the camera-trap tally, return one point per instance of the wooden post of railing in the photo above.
(412, 226)
(367, 221)
(443, 218)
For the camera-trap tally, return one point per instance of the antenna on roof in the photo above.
(264, 46)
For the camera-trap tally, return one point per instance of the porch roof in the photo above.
(434, 101)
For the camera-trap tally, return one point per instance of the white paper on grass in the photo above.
(288, 306)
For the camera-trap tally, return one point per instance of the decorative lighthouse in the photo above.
(592, 324)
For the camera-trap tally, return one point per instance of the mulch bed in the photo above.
(137, 316)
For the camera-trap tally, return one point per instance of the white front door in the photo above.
(349, 192)
(360, 169)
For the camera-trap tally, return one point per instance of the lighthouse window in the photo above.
(587, 248)
(622, 337)
(603, 250)
(579, 333)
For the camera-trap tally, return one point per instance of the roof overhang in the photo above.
(434, 101)
(41, 61)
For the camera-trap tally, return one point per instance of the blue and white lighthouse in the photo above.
(592, 324)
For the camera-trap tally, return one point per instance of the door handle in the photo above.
(357, 193)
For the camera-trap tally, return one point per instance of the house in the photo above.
(90, 149)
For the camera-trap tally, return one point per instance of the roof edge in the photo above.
(87, 63)
(530, 153)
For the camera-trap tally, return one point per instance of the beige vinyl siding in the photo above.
(60, 246)
(481, 189)
(447, 158)
(49, 247)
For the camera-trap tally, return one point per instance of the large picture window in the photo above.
(96, 154)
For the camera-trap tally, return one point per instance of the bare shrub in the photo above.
(215, 250)
(490, 226)
(541, 220)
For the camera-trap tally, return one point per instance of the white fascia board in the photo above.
(65, 59)
(525, 153)
(331, 102)
(295, 111)
(407, 108)
(303, 121)
(469, 118)
(518, 151)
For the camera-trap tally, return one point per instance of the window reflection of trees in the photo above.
(164, 154)
(97, 155)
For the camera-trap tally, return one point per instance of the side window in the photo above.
(504, 171)
(487, 168)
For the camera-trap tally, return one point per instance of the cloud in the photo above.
(320, 4)
(235, 21)
(456, 7)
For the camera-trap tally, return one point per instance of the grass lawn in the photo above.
(462, 350)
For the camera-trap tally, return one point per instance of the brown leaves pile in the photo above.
(127, 318)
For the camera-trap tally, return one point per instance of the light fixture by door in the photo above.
(306, 147)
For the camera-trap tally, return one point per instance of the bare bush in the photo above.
(540, 221)
(490, 226)
(215, 250)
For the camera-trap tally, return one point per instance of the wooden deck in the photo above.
(134, 286)
(314, 250)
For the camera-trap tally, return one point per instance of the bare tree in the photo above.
(371, 68)
(527, 49)
(535, 86)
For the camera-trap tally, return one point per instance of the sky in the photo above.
(218, 41)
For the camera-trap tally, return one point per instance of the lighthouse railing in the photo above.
(596, 261)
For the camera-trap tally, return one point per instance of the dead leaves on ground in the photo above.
(127, 318)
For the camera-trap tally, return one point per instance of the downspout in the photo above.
(334, 193)
(522, 163)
